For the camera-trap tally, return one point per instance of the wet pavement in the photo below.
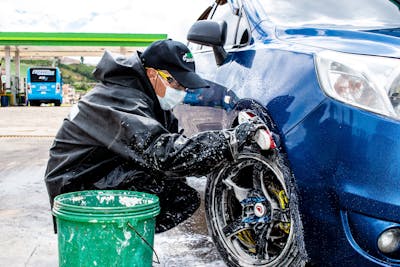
(26, 231)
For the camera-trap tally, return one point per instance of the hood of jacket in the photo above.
(124, 71)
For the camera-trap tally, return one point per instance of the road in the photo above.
(26, 234)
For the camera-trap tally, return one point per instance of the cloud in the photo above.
(173, 17)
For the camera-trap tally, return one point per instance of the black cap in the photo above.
(177, 59)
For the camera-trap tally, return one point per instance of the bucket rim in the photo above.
(60, 205)
(108, 218)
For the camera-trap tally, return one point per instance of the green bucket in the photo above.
(105, 228)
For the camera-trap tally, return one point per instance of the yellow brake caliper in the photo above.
(283, 203)
(246, 237)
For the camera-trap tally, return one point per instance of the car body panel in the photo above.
(238, 74)
(355, 42)
(358, 149)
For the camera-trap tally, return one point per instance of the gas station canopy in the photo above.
(52, 44)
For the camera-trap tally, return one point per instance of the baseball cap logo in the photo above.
(188, 57)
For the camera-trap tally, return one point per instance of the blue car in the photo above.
(324, 77)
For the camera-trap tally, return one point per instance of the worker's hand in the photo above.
(245, 132)
(242, 135)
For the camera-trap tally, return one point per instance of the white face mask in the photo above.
(172, 98)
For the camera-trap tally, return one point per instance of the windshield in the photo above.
(351, 13)
(43, 75)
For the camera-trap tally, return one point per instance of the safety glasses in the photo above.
(171, 80)
(165, 76)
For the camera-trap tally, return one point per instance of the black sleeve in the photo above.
(177, 155)
(134, 134)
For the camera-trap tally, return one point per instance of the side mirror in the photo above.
(210, 33)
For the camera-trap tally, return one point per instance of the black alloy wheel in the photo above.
(252, 215)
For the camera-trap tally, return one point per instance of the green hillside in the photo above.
(78, 75)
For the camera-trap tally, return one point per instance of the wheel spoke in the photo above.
(274, 204)
(234, 227)
(257, 176)
(263, 235)
(239, 192)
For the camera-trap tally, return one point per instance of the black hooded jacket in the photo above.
(118, 137)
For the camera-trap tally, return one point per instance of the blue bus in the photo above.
(44, 85)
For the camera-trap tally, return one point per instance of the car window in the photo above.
(238, 33)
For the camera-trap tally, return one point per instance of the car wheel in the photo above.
(252, 215)
(57, 103)
(33, 103)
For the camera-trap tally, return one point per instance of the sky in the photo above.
(172, 17)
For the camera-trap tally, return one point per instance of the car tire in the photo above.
(242, 237)
(34, 103)
(57, 103)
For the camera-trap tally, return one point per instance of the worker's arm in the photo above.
(175, 154)
(134, 135)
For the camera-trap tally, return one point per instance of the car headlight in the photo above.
(368, 82)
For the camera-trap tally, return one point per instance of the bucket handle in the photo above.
(145, 241)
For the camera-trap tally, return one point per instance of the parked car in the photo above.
(324, 76)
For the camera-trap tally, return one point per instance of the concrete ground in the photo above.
(26, 233)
